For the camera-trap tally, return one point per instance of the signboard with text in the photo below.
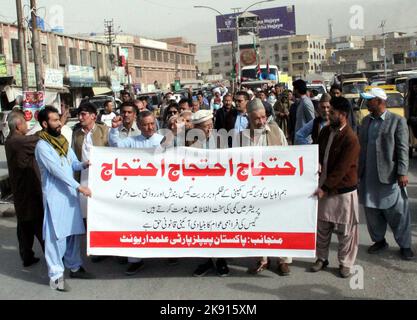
(3, 66)
(187, 202)
(54, 78)
(33, 102)
(273, 22)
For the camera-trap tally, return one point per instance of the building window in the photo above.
(73, 56)
(285, 69)
(165, 57)
(145, 54)
(192, 60)
(276, 47)
(226, 53)
(15, 51)
(284, 58)
(93, 59)
(137, 53)
(300, 57)
(217, 65)
(227, 64)
(172, 58)
(284, 48)
(216, 55)
(30, 54)
(183, 59)
(1, 45)
(45, 53)
(62, 56)
(153, 55)
(138, 72)
(100, 60)
(159, 56)
(84, 57)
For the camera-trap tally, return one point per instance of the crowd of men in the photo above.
(49, 169)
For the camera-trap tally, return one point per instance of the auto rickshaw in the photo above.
(411, 111)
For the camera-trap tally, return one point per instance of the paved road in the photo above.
(385, 276)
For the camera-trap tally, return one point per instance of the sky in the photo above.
(172, 18)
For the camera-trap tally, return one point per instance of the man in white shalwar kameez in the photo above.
(63, 224)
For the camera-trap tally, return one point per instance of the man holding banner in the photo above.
(338, 210)
(63, 224)
(270, 135)
(148, 139)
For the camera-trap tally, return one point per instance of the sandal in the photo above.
(260, 267)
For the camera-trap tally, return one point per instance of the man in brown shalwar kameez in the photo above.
(338, 200)
(26, 186)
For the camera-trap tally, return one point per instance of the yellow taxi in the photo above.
(395, 102)
(352, 88)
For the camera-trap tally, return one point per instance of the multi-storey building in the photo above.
(157, 61)
(72, 67)
(297, 55)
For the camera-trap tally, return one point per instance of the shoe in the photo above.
(344, 272)
(319, 265)
(31, 262)
(284, 269)
(97, 259)
(222, 268)
(172, 261)
(260, 267)
(81, 274)
(378, 247)
(134, 268)
(59, 285)
(407, 254)
(203, 269)
(122, 260)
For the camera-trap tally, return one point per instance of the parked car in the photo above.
(99, 101)
(395, 103)
(4, 127)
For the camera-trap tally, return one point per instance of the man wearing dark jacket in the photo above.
(224, 112)
(337, 193)
(26, 186)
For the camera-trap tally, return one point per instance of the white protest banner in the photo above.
(186, 202)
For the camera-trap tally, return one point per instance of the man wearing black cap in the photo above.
(305, 108)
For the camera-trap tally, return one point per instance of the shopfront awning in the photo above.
(101, 90)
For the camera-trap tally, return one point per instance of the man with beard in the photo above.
(311, 131)
(264, 133)
(63, 223)
(338, 210)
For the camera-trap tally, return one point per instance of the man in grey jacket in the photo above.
(383, 169)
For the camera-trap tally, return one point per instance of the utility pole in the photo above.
(382, 26)
(36, 45)
(236, 51)
(22, 47)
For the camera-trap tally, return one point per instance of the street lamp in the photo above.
(259, 2)
(233, 38)
(236, 57)
(237, 31)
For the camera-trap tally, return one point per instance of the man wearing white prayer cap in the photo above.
(203, 120)
(218, 98)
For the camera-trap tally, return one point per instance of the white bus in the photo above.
(250, 73)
